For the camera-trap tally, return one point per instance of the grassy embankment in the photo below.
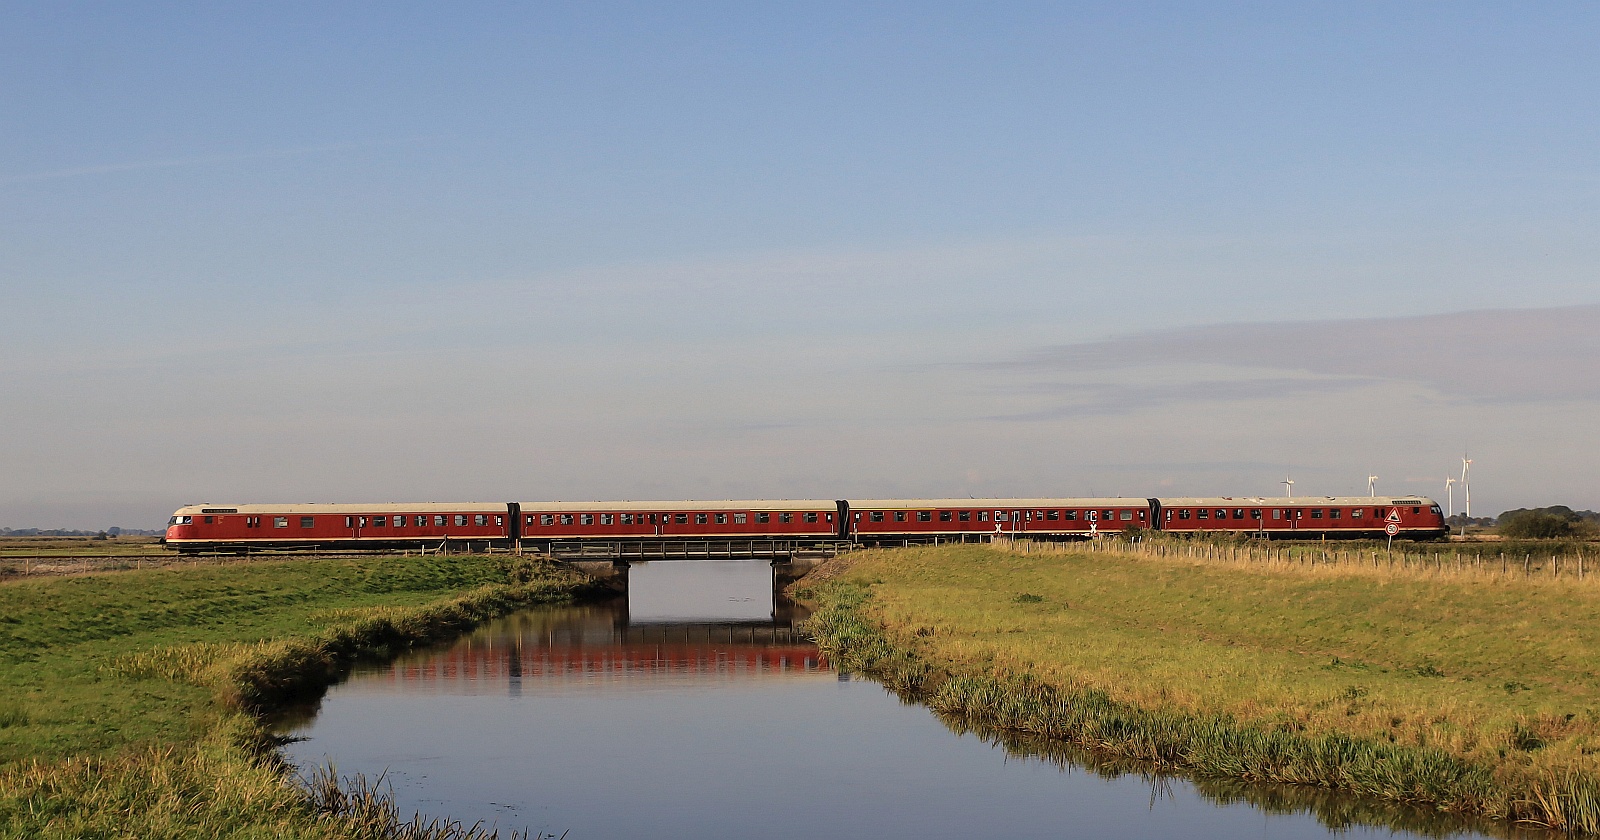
(1450, 687)
(130, 701)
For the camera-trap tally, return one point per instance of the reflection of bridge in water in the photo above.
(595, 645)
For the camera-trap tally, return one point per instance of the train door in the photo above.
(354, 524)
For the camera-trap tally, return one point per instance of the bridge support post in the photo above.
(790, 569)
(613, 574)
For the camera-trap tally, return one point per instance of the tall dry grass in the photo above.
(227, 779)
(1464, 689)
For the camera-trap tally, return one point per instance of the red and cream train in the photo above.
(545, 524)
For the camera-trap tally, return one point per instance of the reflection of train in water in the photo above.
(598, 644)
(872, 521)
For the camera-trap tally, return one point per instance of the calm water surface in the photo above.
(691, 709)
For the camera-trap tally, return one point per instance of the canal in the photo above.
(691, 708)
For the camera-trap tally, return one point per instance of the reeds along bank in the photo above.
(1530, 560)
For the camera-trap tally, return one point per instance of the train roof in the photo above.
(312, 507)
(686, 504)
(1298, 501)
(909, 504)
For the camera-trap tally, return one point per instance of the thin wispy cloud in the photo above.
(1086, 399)
(198, 160)
(1492, 356)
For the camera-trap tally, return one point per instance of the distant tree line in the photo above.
(1551, 522)
(68, 532)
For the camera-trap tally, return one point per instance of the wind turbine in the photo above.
(1372, 486)
(1466, 464)
(1449, 498)
(1289, 483)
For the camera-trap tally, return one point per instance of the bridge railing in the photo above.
(693, 549)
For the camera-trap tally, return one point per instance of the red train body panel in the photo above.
(215, 527)
(901, 519)
(1313, 517)
(295, 525)
(680, 520)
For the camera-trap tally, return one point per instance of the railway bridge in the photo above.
(609, 561)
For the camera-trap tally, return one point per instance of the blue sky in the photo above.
(302, 252)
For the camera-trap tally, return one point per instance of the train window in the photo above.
(280, 521)
(1300, 514)
(875, 516)
(210, 520)
(1070, 515)
(828, 517)
(1316, 513)
(1202, 514)
(438, 520)
(547, 519)
(1222, 514)
(528, 520)
(380, 521)
(1183, 513)
(1000, 516)
(1255, 513)
(924, 516)
(605, 519)
(1108, 514)
(585, 519)
(500, 521)
(739, 519)
(625, 518)
(480, 519)
(785, 517)
(400, 520)
(1417, 509)
(1052, 515)
(983, 516)
(810, 517)
(566, 519)
(700, 519)
(1277, 513)
(1142, 514)
(360, 521)
(944, 516)
(722, 519)
(1355, 513)
(1335, 513)
(899, 516)
(1126, 516)
(1238, 513)
(349, 522)
(964, 516)
(763, 518)
(307, 521)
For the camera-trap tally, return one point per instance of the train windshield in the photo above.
(181, 520)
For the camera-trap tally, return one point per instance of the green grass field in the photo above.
(1464, 690)
(127, 699)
